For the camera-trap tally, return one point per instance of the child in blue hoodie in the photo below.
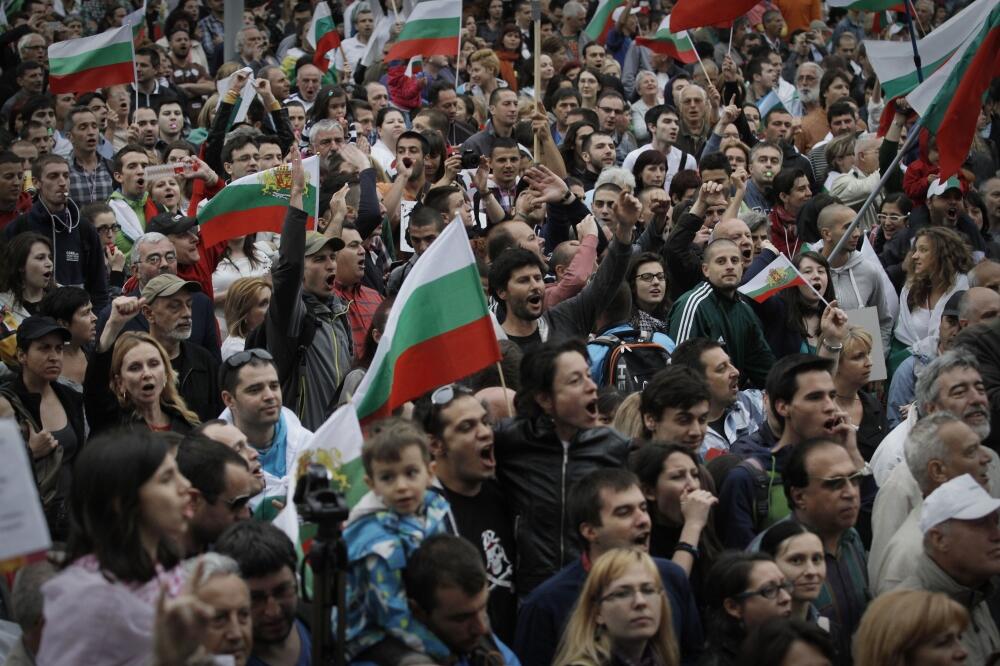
(383, 530)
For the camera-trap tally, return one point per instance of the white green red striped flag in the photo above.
(257, 202)
(893, 61)
(950, 99)
(432, 29)
(869, 5)
(777, 275)
(91, 63)
(602, 20)
(676, 45)
(439, 329)
(322, 35)
(137, 20)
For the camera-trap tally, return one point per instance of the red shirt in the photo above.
(21, 206)
(362, 302)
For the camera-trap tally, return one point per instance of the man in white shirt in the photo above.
(354, 47)
(664, 125)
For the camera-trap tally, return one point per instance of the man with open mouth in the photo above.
(465, 468)
(607, 510)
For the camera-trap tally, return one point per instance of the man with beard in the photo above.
(606, 510)
(77, 252)
(598, 154)
(663, 124)
(715, 310)
(268, 563)
(503, 117)
(462, 446)
(516, 278)
(731, 413)
(765, 162)
(253, 398)
(147, 130)
(823, 479)
(90, 177)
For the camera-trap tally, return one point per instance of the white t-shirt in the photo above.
(673, 162)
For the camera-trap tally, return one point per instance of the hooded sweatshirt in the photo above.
(858, 284)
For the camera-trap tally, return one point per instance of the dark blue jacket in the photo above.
(546, 611)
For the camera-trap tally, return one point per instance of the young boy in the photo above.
(383, 530)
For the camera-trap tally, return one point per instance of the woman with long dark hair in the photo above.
(353, 378)
(650, 169)
(242, 258)
(129, 506)
(27, 273)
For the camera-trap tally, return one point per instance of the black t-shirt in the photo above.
(484, 520)
(526, 342)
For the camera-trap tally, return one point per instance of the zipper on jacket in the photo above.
(562, 508)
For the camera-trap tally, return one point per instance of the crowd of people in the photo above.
(660, 470)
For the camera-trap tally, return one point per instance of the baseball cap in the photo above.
(36, 327)
(315, 241)
(167, 284)
(171, 224)
(962, 498)
(937, 187)
(951, 307)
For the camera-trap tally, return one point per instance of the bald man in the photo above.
(978, 305)
(737, 231)
(986, 274)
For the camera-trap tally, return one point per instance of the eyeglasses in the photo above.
(240, 359)
(630, 594)
(611, 111)
(237, 503)
(768, 591)
(838, 482)
(114, 228)
(891, 217)
(649, 277)
(155, 259)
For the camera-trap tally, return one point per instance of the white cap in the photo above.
(937, 187)
(615, 15)
(962, 498)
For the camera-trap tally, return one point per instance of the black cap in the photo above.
(951, 307)
(36, 327)
(171, 224)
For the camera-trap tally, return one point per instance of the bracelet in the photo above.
(685, 547)
(833, 348)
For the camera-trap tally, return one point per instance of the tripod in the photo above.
(318, 503)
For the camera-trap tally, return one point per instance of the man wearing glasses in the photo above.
(610, 111)
(823, 488)
(221, 490)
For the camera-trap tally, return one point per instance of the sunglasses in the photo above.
(442, 397)
(239, 359)
(835, 483)
(237, 503)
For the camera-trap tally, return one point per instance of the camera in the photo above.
(316, 501)
(470, 159)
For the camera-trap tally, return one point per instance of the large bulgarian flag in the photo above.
(92, 63)
(778, 275)
(602, 20)
(257, 202)
(432, 29)
(950, 99)
(676, 45)
(893, 61)
(322, 35)
(689, 14)
(439, 329)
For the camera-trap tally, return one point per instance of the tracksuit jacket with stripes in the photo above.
(704, 312)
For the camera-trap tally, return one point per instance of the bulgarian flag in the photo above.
(869, 5)
(257, 202)
(92, 63)
(432, 29)
(602, 21)
(322, 35)
(137, 20)
(439, 329)
(949, 100)
(778, 275)
(893, 61)
(689, 14)
(676, 45)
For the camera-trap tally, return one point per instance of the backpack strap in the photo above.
(761, 491)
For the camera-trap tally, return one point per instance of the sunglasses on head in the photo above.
(239, 359)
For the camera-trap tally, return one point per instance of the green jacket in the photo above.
(704, 312)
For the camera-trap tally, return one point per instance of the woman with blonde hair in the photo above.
(911, 628)
(247, 301)
(628, 418)
(138, 373)
(863, 409)
(621, 617)
(484, 68)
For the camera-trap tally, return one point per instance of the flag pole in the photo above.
(911, 13)
(506, 395)
(697, 55)
(809, 284)
(729, 51)
(913, 40)
(911, 138)
(536, 16)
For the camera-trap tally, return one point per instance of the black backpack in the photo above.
(290, 377)
(632, 360)
(720, 466)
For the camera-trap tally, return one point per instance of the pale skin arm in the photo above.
(123, 309)
(494, 211)
(739, 180)
(695, 506)
(395, 193)
(550, 155)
